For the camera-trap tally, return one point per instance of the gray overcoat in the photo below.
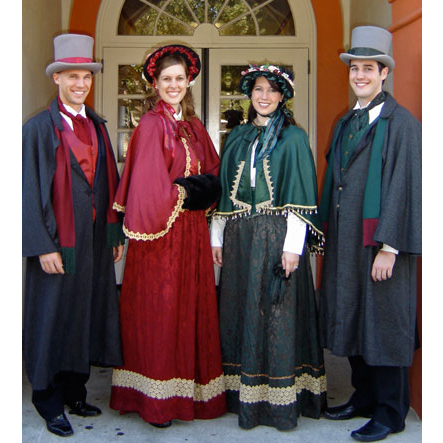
(358, 316)
(70, 321)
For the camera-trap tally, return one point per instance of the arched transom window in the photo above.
(230, 17)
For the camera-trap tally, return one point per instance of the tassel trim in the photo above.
(299, 211)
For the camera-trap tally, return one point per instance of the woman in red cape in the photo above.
(168, 306)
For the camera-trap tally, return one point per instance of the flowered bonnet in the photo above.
(283, 77)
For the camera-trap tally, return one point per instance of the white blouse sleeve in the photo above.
(217, 229)
(295, 235)
(388, 248)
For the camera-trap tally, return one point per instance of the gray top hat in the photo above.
(73, 51)
(370, 43)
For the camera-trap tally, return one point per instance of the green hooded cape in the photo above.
(285, 179)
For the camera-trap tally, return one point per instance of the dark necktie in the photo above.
(360, 118)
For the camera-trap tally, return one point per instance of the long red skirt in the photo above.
(170, 331)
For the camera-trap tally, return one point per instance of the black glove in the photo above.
(279, 284)
(202, 190)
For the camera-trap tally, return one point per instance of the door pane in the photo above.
(169, 26)
(230, 76)
(180, 9)
(137, 18)
(130, 80)
(129, 113)
(214, 8)
(244, 26)
(276, 19)
(233, 112)
(123, 142)
(132, 90)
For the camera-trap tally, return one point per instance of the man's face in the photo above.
(73, 86)
(366, 80)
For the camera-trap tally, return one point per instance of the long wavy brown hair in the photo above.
(187, 103)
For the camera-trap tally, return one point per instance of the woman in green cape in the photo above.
(262, 232)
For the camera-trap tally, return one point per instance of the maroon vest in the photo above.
(86, 155)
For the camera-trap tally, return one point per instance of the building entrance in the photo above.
(228, 35)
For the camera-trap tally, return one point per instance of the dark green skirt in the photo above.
(273, 365)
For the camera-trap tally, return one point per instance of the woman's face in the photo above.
(264, 97)
(172, 84)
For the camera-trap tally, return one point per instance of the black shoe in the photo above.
(59, 426)
(344, 412)
(162, 425)
(84, 409)
(371, 431)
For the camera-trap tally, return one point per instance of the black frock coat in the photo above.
(358, 316)
(70, 321)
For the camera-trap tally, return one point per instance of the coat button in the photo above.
(340, 188)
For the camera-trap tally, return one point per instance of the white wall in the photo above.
(41, 22)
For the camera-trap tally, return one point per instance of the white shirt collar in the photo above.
(74, 113)
(373, 113)
(82, 111)
(178, 116)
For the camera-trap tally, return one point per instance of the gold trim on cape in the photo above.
(188, 159)
(240, 204)
(175, 213)
(267, 203)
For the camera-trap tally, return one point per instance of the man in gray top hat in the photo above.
(371, 210)
(71, 238)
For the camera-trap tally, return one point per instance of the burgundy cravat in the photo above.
(79, 123)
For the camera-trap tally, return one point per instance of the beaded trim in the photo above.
(283, 211)
(165, 389)
(275, 396)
